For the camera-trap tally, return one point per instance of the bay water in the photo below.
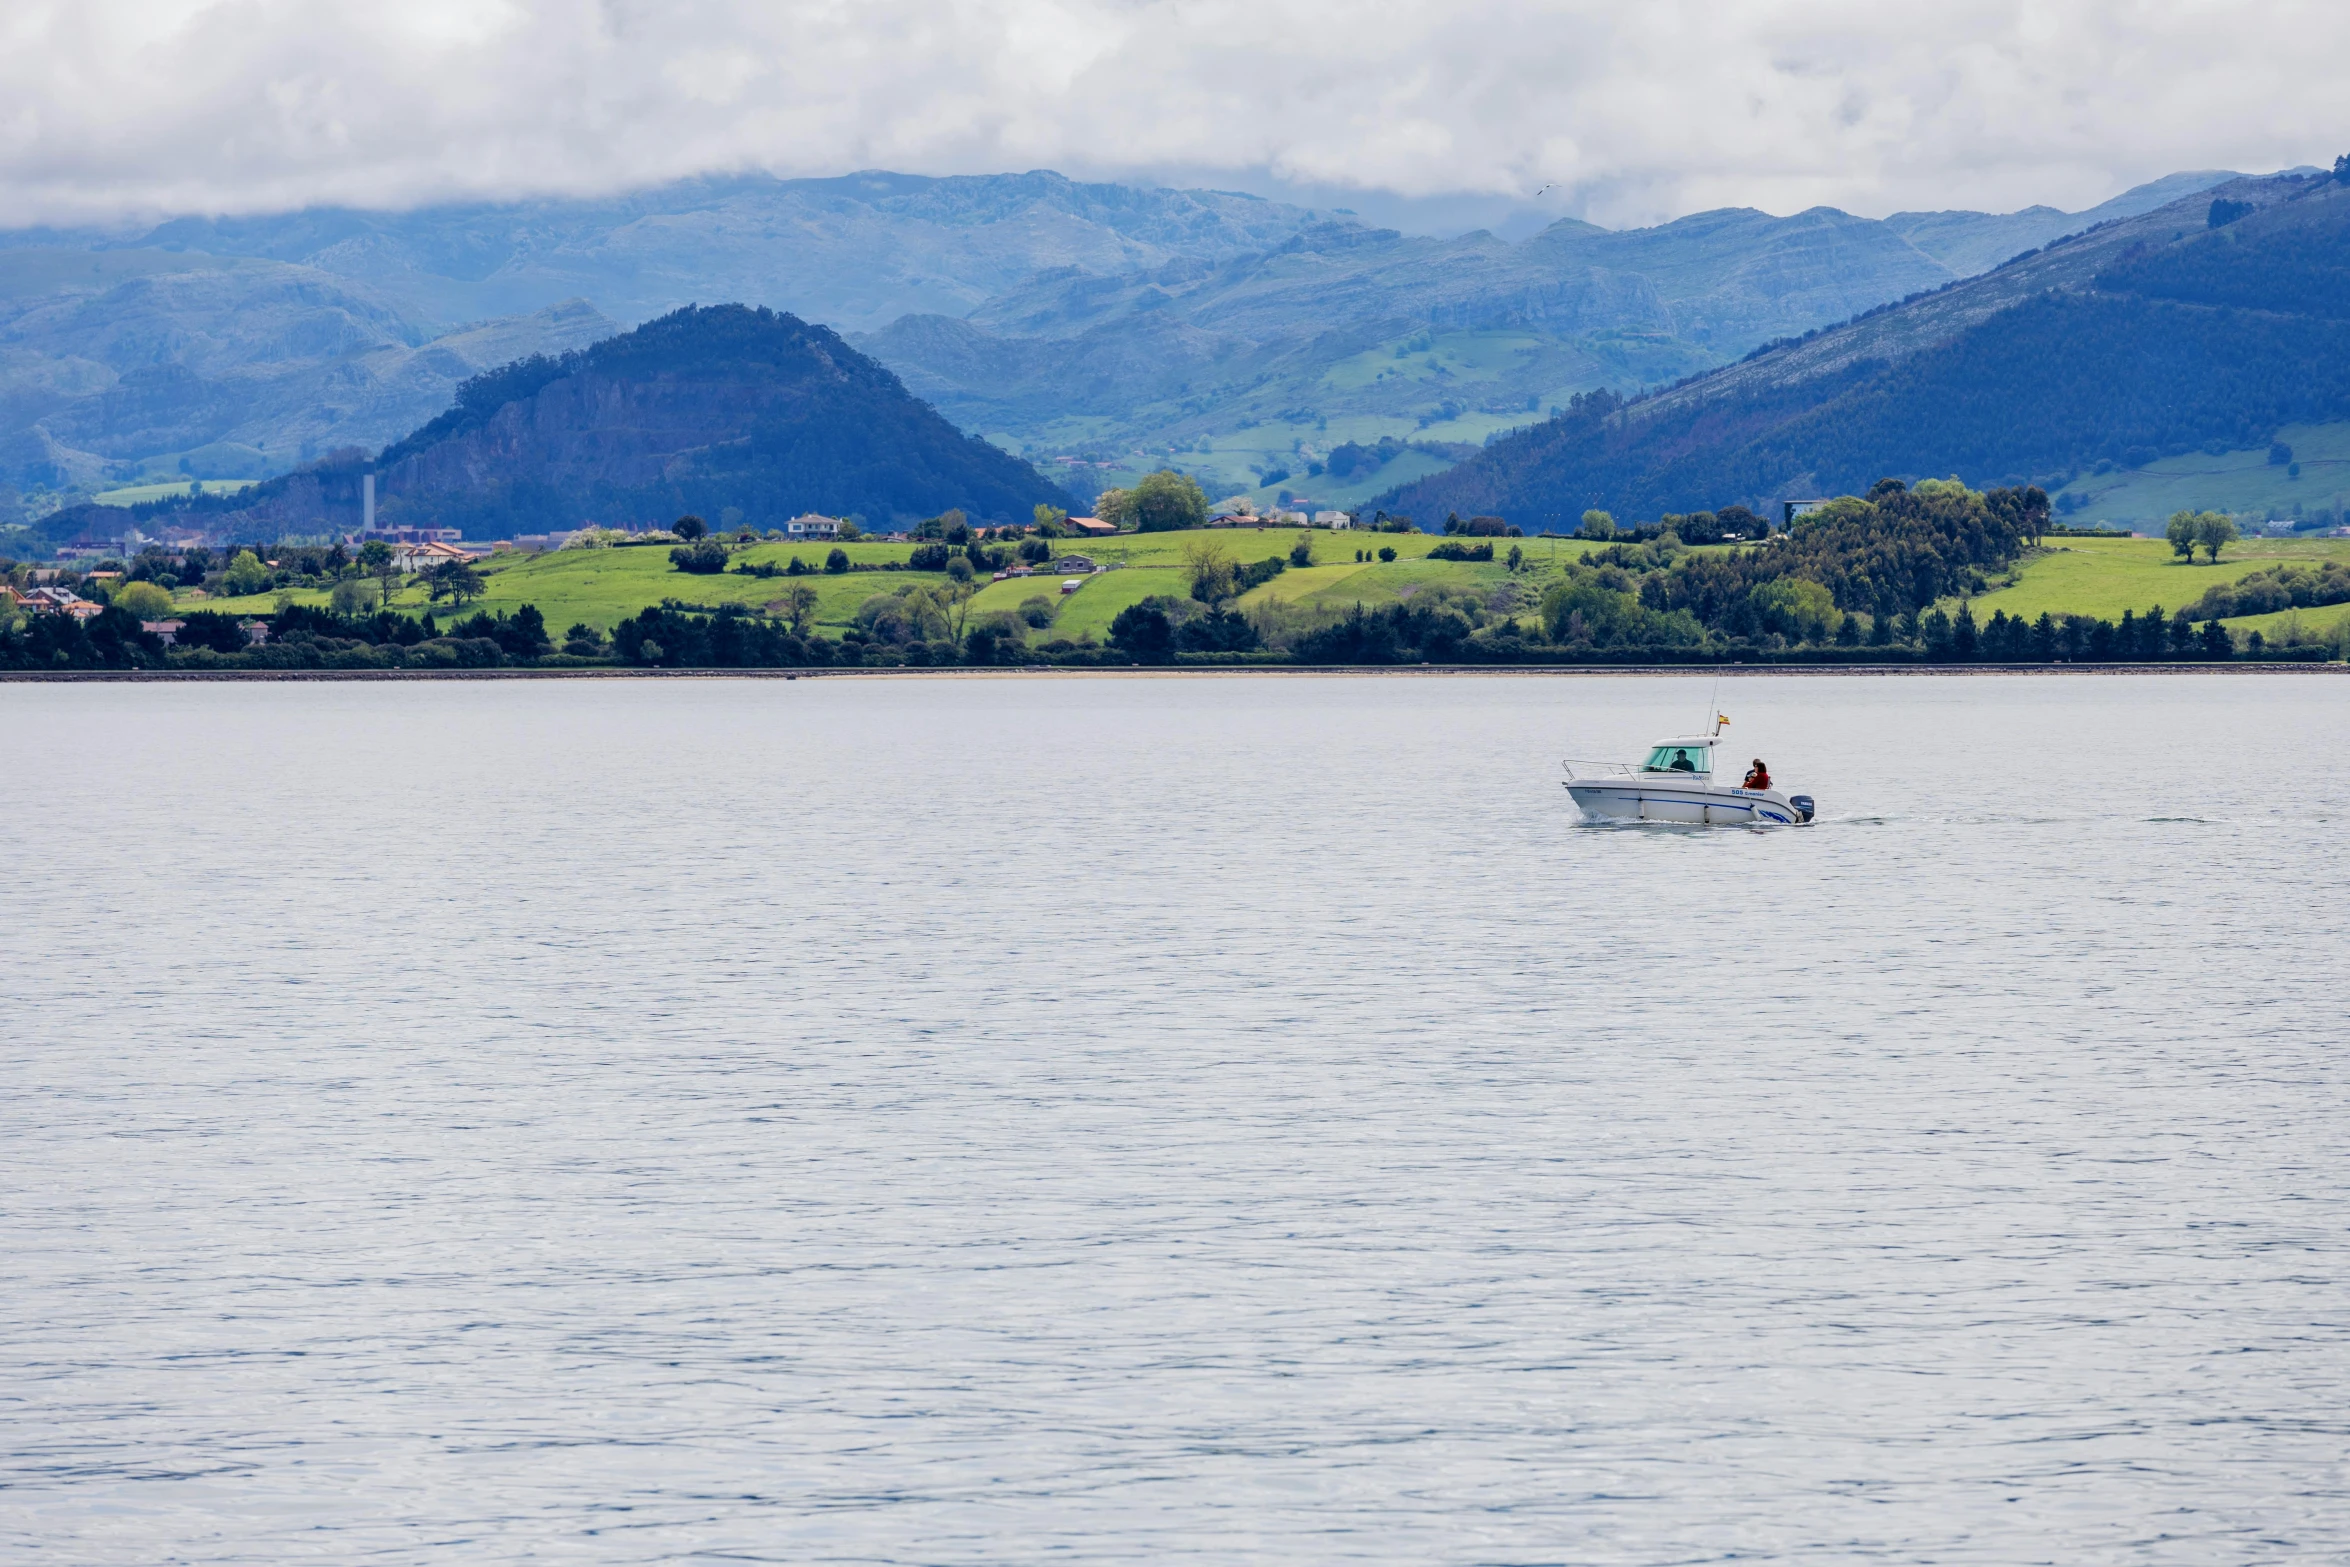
(1200, 1120)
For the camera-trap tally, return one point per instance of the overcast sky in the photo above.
(1635, 110)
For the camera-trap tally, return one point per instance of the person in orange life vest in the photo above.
(1760, 778)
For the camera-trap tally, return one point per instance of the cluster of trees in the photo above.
(1160, 502)
(703, 557)
(669, 637)
(1899, 549)
(1481, 527)
(299, 637)
(1217, 575)
(1591, 608)
(2273, 588)
(2210, 531)
(2073, 639)
(913, 614)
(110, 640)
(1158, 628)
(1426, 629)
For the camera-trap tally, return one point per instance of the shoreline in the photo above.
(1156, 672)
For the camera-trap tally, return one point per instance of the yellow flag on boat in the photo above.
(1721, 718)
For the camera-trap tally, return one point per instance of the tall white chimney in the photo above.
(367, 503)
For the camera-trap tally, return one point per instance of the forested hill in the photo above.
(701, 410)
(2215, 319)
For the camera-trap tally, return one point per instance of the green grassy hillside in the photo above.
(2242, 482)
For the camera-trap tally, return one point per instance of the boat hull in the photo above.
(1690, 805)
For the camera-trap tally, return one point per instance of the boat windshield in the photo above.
(1679, 759)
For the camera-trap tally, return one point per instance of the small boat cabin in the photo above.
(1681, 756)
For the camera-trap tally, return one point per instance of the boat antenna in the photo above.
(1712, 712)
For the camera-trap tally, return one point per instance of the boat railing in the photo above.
(1582, 769)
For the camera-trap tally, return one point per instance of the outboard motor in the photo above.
(1802, 804)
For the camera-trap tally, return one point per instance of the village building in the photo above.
(1090, 527)
(812, 525)
(408, 535)
(423, 557)
(50, 600)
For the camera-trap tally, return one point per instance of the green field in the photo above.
(133, 494)
(2244, 483)
(600, 587)
(2103, 577)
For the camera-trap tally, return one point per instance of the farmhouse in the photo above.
(813, 525)
(423, 557)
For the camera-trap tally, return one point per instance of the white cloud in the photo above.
(127, 108)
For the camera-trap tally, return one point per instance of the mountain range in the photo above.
(2210, 322)
(1239, 337)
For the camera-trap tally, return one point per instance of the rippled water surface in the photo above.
(1223, 1120)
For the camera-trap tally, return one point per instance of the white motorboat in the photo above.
(1676, 783)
